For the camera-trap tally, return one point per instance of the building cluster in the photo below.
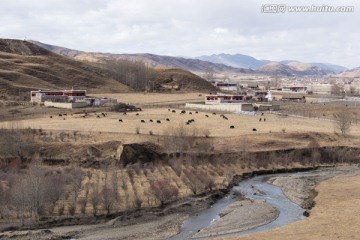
(66, 98)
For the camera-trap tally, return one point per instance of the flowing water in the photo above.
(253, 188)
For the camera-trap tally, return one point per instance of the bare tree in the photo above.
(54, 189)
(35, 178)
(108, 199)
(195, 180)
(95, 195)
(115, 184)
(135, 74)
(353, 91)
(336, 90)
(20, 199)
(343, 121)
(3, 200)
(76, 176)
(163, 191)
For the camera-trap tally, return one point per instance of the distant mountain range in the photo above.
(194, 65)
(220, 63)
(245, 61)
(236, 60)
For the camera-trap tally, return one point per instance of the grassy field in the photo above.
(279, 131)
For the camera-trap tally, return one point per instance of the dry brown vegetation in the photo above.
(102, 167)
(25, 66)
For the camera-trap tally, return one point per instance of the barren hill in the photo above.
(276, 68)
(25, 66)
(353, 73)
(292, 68)
(175, 78)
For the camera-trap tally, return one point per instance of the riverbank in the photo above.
(335, 214)
(155, 223)
(164, 223)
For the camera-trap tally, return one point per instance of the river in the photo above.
(253, 188)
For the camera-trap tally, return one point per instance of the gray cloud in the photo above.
(188, 28)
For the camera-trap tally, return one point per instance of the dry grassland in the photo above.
(154, 98)
(278, 132)
(274, 126)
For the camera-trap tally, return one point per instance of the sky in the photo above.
(190, 28)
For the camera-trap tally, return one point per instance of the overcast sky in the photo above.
(189, 28)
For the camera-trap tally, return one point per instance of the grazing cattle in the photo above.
(65, 114)
(254, 129)
(214, 113)
(262, 114)
(103, 114)
(264, 119)
(84, 116)
(64, 118)
(137, 114)
(120, 120)
(206, 115)
(183, 112)
(168, 120)
(50, 116)
(151, 120)
(124, 113)
(225, 118)
(143, 121)
(158, 121)
(190, 113)
(196, 112)
(98, 116)
(232, 126)
(139, 109)
(173, 111)
(169, 109)
(60, 115)
(260, 120)
(187, 123)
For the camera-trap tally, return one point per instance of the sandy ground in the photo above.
(297, 189)
(161, 228)
(335, 215)
(253, 214)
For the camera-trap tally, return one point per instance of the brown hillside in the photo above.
(25, 66)
(175, 78)
(353, 73)
(121, 66)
